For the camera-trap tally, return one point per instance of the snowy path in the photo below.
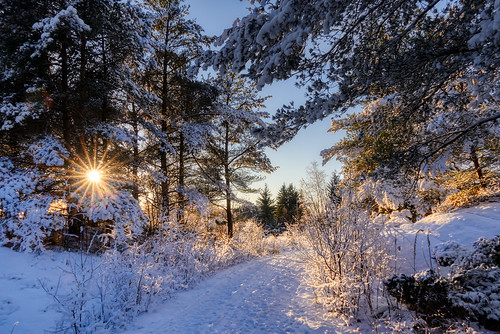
(261, 296)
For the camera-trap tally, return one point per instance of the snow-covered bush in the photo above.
(28, 213)
(117, 214)
(251, 238)
(470, 291)
(111, 289)
(447, 253)
(425, 292)
(349, 255)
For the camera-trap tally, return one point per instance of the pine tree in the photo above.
(177, 40)
(266, 209)
(426, 72)
(288, 205)
(233, 153)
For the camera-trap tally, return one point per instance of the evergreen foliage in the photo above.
(425, 72)
(288, 207)
(266, 209)
(233, 154)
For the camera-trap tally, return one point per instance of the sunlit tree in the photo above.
(314, 189)
(425, 71)
(233, 154)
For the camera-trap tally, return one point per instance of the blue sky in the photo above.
(295, 156)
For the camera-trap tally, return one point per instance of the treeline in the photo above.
(104, 86)
(317, 194)
(286, 209)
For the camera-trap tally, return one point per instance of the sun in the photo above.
(94, 176)
(93, 181)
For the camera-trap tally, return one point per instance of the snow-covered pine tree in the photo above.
(63, 75)
(233, 154)
(412, 54)
(177, 40)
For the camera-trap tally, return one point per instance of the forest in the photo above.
(128, 135)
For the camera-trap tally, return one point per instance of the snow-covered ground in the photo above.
(25, 307)
(263, 295)
(463, 226)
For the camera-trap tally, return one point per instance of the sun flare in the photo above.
(94, 176)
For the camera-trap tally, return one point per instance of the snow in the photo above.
(66, 18)
(419, 242)
(48, 151)
(22, 300)
(265, 295)
(463, 225)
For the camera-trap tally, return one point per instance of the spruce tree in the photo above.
(334, 191)
(288, 205)
(266, 209)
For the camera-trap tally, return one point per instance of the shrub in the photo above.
(426, 293)
(349, 255)
(110, 289)
(471, 291)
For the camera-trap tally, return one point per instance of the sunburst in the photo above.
(93, 176)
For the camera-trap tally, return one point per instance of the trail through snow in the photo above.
(264, 295)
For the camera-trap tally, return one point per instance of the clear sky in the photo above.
(295, 156)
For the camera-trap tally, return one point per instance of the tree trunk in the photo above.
(165, 201)
(83, 70)
(105, 106)
(66, 118)
(135, 162)
(477, 168)
(83, 97)
(73, 222)
(227, 176)
(182, 158)
(229, 213)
